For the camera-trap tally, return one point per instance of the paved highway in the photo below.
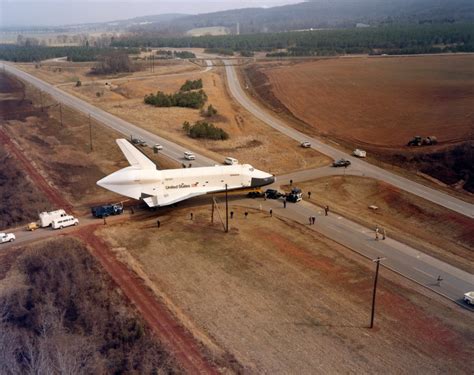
(401, 258)
(366, 169)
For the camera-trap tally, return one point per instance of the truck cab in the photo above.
(106, 210)
(295, 195)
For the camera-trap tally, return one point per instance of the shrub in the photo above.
(192, 99)
(78, 83)
(191, 85)
(205, 130)
(211, 111)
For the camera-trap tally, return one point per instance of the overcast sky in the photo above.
(62, 12)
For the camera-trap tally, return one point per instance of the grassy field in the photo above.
(283, 299)
(250, 140)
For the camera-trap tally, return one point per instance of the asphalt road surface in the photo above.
(399, 257)
(365, 168)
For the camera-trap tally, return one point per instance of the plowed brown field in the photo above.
(378, 101)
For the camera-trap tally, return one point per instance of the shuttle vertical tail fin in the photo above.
(135, 157)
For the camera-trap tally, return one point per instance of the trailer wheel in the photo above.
(61, 227)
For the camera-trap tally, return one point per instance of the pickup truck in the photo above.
(469, 298)
(7, 237)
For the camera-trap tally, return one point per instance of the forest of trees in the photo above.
(16, 53)
(61, 315)
(176, 54)
(455, 37)
(113, 62)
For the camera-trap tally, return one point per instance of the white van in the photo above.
(65, 221)
(189, 155)
(230, 161)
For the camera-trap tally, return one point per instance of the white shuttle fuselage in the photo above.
(164, 187)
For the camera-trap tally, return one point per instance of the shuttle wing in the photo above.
(135, 157)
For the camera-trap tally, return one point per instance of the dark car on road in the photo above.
(341, 163)
(273, 194)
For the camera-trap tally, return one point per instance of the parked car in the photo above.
(230, 161)
(189, 155)
(341, 163)
(273, 194)
(157, 147)
(305, 144)
(359, 153)
(7, 237)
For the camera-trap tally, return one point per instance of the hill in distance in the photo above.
(320, 14)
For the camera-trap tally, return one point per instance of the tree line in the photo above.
(16, 53)
(455, 37)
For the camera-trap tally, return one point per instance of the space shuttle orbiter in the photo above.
(142, 179)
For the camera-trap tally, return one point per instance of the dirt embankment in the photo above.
(379, 104)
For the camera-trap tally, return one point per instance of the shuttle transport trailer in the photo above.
(46, 218)
(161, 188)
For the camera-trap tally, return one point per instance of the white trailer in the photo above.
(46, 218)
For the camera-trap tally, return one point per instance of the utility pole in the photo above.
(90, 131)
(61, 113)
(226, 210)
(372, 316)
(41, 100)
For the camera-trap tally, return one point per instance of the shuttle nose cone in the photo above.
(262, 181)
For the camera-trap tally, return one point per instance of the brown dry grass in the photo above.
(283, 299)
(250, 141)
(70, 72)
(425, 225)
(380, 101)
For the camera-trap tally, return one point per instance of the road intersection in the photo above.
(401, 258)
